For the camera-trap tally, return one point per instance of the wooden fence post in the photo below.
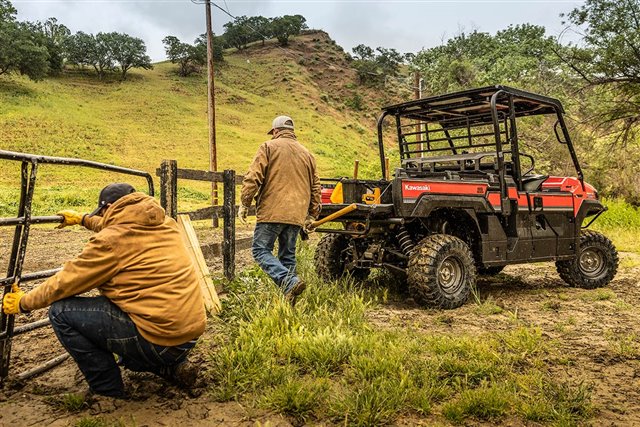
(229, 218)
(169, 187)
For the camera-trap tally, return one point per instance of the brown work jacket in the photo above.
(138, 260)
(284, 181)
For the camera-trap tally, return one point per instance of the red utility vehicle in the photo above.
(465, 200)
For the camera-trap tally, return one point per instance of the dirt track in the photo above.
(596, 336)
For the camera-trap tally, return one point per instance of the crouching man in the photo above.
(150, 311)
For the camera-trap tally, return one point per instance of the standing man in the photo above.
(284, 182)
(150, 311)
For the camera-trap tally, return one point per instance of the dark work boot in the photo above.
(183, 375)
(296, 290)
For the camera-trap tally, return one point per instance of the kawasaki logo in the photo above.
(411, 187)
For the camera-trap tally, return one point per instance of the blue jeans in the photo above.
(93, 329)
(283, 268)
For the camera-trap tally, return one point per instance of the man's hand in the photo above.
(11, 301)
(70, 218)
(243, 211)
(308, 224)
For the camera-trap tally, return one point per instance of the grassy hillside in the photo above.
(157, 115)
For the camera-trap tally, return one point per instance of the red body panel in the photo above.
(556, 192)
(413, 189)
(326, 195)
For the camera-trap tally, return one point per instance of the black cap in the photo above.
(111, 193)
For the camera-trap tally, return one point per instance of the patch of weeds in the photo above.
(563, 296)
(600, 294)
(485, 403)
(622, 305)
(373, 402)
(627, 263)
(443, 319)
(488, 307)
(523, 343)
(70, 402)
(570, 403)
(298, 398)
(240, 367)
(624, 346)
(465, 359)
(322, 352)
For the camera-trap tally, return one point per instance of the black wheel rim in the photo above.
(592, 262)
(450, 274)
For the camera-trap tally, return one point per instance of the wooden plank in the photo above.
(211, 300)
(210, 211)
(198, 175)
(213, 250)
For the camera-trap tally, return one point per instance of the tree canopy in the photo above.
(610, 60)
(244, 30)
(189, 57)
(520, 54)
(286, 26)
(128, 52)
(22, 49)
(106, 52)
(373, 65)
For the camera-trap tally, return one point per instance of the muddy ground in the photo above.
(595, 336)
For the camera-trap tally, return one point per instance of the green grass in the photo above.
(621, 223)
(69, 402)
(325, 362)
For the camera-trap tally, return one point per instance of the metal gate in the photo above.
(22, 223)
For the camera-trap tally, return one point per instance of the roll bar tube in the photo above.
(383, 167)
(505, 204)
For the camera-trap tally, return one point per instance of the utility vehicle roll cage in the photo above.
(462, 124)
(22, 224)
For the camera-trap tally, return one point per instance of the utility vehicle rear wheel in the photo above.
(333, 254)
(489, 271)
(595, 264)
(441, 272)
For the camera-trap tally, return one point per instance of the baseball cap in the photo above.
(111, 193)
(281, 122)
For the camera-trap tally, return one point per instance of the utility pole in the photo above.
(213, 155)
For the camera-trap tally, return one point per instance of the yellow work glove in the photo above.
(70, 218)
(243, 211)
(11, 301)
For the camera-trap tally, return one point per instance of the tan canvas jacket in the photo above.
(136, 259)
(284, 181)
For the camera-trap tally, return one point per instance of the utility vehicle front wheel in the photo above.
(595, 264)
(441, 272)
(333, 255)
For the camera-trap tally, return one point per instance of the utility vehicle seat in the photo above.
(531, 183)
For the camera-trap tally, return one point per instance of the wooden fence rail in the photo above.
(169, 175)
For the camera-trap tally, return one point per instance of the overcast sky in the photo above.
(407, 26)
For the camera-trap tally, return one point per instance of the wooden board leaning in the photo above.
(211, 300)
